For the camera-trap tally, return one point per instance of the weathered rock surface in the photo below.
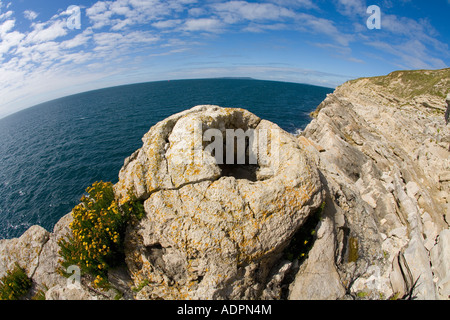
(24, 251)
(384, 165)
(318, 278)
(211, 231)
(377, 152)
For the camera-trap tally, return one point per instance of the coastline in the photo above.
(382, 157)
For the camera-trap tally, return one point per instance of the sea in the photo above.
(51, 152)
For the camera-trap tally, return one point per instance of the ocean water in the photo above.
(50, 153)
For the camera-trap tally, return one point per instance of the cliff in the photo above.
(385, 165)
(356, 207)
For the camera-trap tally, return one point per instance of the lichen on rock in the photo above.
(211, 232)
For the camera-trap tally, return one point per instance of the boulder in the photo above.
(214, 231)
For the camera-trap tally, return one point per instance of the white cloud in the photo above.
(308, 4)
(99, 14)
(108, 39)
(6, 15)
(6, 26)
(166, 53)
(341, 52)
(204, 25)
(30, 15)
(46, 31)
(236, 11)
(79, 40)
(261, 27)
(196, 12)
(167, 24)
(411, 43)
(122, 13)
(311, 24)
(118, 24)
(411, 54)
(109, 44)
(10, 40)
(353, 8)
(113, 41)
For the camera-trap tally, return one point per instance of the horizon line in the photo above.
(155, 81)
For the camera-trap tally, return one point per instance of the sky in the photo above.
(54, 48)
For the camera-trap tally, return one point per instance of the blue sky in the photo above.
(42, 57)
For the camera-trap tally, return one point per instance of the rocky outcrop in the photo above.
(214, 231)
(384, 161)
(215, 228)
(24, 251)
(375, 158)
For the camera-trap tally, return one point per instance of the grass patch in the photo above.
(411, 83)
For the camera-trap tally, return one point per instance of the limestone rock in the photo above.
(318, 278)
(440, 260)
(447, 112)
(25, 251)
(214, 231)
(46, 275)
(63, 292)
(384, 170)
(377, 151)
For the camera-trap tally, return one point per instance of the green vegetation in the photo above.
(140, 286)
(409, 84)
(362, 294)
(353, 249)
(98, 230)
(303, 240)
(39, 295)
(395, 296)
(15, 284)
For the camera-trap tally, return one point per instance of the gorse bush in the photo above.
(15, 284)
(98, 229)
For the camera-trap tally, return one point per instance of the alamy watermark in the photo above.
(74, 20)
(229, 146)
(74, 280)
(374, 21)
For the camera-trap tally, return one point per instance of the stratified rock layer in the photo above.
(384, 155)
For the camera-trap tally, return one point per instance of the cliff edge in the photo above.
(384, 157)
(355, 207)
